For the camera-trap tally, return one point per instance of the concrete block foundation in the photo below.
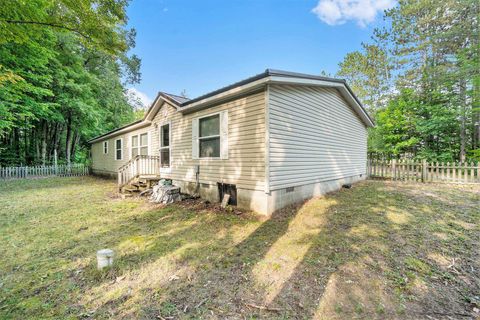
(267, 203)
(278, 199)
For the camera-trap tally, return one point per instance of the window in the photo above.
(140, 145)
(118, 149)
(209, 136)
(105, 147)
(165, 146)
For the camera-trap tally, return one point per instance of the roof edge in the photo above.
(106, 134)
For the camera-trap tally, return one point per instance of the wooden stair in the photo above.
(138, 174)
(139, 184)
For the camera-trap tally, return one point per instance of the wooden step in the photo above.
(138, 184)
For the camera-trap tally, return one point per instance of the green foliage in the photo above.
(410, 126)
(369, 73)
(63, 71)
(421, 80)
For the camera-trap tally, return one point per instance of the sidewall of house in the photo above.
(316, 143)
(106, 164)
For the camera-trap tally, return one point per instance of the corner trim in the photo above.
(267, 139)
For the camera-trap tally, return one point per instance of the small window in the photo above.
(105, 147)
(140, 145)
(209, 137)
(165, 146)
(118, 149)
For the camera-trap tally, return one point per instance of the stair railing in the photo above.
(138, 166)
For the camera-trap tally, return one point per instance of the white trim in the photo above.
(224, 130)
(267, 139)
(169, 168)
(213, 136)
(204, 103)
(249, 87)
(139, 146)
(121, 149)
(121, 131)
(224, 95)
(105, 144)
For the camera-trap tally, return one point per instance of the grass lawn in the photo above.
(379, 250)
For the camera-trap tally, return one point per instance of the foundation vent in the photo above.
(290, 189)
(231, 189)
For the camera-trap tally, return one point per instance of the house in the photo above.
(269, 140)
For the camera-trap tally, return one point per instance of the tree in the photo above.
(61, 69)
(420, 80)
(435, 48)
(368, 72)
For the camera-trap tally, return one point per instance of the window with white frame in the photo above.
(105, 147)
(119, 149)
(209, 136)
(165, 146)
(140, 144)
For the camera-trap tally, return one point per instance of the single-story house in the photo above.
(270, 140)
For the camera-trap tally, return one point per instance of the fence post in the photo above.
(478, 171)
(394, 169)
(424, 170)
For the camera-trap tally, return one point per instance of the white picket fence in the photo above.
(423, 171)
(27, 172)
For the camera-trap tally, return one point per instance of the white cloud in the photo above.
(137, 98)
(335, 12)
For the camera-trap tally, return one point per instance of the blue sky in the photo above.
(200, 46)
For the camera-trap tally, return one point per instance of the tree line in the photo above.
(419, 77)
(64, 68)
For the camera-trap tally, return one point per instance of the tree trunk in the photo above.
(58, 136)
(37, 144)
(44, 143)
(463, 121)
(476, 113)
(68, 141)
(52, 139)
(75, 143)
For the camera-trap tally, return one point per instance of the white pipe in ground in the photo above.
(104, 258)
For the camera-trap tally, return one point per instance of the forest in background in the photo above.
(65, 66)
(419, 78)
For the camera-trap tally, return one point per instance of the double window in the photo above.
(209, 136)
(165, 146)
(119, 149)
(140, 145)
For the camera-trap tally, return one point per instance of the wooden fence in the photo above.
(43, 171)
(424, 171)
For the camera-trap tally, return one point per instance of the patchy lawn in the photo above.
(378, 250)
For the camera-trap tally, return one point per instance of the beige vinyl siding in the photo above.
(245, 165)
(314, 136)
(106, 163)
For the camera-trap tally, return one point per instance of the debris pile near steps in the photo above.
(164, 192)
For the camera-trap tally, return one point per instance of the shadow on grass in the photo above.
(364, 252)
(367, 256)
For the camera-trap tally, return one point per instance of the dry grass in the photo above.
(379, 250)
